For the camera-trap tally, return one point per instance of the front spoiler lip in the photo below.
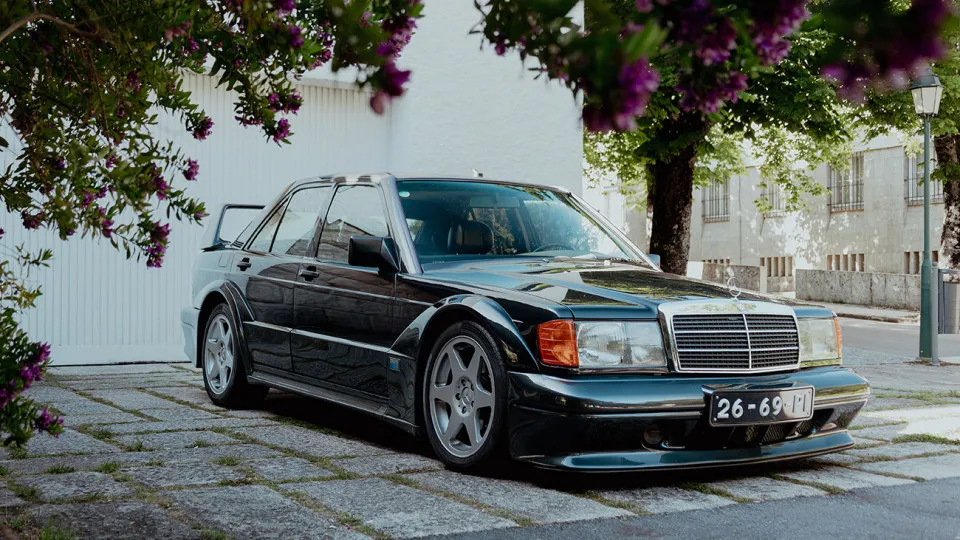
(600, 462)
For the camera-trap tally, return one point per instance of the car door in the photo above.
(343, 323)
(271, 263)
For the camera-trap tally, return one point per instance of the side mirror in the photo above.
(654, 258)
(373, 252)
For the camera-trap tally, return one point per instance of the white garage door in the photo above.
(98, 307)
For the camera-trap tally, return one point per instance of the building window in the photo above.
(773, 195)
(846, 186)
(716, 202)
(717, 261)
(846, 262)
(913, 259)
(913, 181)
(777, 266)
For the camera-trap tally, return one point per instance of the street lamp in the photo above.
(927, 91)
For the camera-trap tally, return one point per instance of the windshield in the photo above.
(469, 220)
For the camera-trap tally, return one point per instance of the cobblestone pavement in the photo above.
(146, 454)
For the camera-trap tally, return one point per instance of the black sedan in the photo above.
(495, 315)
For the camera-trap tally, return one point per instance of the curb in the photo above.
(913, 319)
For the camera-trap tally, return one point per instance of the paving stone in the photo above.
(119, 417)
(387, 464)
(903, 450)
(834, 459)
(9, 500)
(761, 488)
(69, 442)
(398, 510)
(893, 403)
(286, 469)
(134, 399)
(862, 442)
(923, 413)
(128, 459)
(122, 369)
(114, 520)
(255, 511)
(883, 433)
(538, 504)
(659, 500)
(840, 478)
(186, 425)
(181, 413)
(87, 385)
(928, 468)
(176, 439)
(197, 397)
(864, 421)
(310, 442)
(72, 485)
(45, 393)
(250, 413)
(85, 407)
(183, 474)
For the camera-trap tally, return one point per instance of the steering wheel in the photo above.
(554, 245)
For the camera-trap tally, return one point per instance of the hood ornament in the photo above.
(733, 287)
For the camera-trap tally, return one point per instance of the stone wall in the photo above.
(901, 291)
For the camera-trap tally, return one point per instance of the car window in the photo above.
(300, 220)
(261, 242)
(505, 224)
(355, 211)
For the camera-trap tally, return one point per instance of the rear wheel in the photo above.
(464, 400)
(223, 374)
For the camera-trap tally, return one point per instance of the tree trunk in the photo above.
(948, 164)
(672, 179)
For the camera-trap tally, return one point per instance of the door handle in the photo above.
(244, 264)
(309, 273)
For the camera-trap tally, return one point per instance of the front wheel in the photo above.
(223, 374)
(464, 396)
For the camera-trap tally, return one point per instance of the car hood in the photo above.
(588, 286)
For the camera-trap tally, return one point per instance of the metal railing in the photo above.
(716, 202)
(913, 191)
(846, 186)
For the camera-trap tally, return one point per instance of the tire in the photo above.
(458, 395)
(223, 373)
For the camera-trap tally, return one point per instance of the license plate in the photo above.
(738, 407)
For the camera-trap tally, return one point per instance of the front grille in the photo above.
(735, 342)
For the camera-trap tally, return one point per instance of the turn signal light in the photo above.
(558, 343)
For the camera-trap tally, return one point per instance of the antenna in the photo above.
(476, 172)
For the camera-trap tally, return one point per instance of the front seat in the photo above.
(469, 238)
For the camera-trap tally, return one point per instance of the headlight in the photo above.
(602, 344)
(820, 341)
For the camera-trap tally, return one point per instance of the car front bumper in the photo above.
(189, 317)
(597, 423)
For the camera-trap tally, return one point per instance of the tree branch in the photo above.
(23, 21)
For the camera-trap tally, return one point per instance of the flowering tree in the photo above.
(83, 80)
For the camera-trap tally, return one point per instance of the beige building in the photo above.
(871, 220)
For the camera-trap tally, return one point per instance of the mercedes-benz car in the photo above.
(493, 316)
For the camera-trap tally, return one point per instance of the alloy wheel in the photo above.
(218, 354)
(461, 395)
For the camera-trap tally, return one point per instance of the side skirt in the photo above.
(329, 395)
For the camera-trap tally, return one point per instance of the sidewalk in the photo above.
(870, 313)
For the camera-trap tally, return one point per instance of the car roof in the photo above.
(378, 177)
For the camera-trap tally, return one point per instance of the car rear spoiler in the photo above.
(212, 238)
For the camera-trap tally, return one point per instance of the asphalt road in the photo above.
(892, 339)
(924, 510)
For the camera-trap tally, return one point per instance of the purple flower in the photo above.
(199, 215)
(31, 221)
(192, 169)
(644, 6)
(111, 160)
(61, 163)
(365, 19)
(107, 228)
(46, 421)
(158, 244)
(284, 7)
(203, 128)
(2, 232)
(394, 79)
(133, 81)
(282, 131)
(192, 46)
(88, 197)
(234, 5)
(637, 82)
(296, 39)
(500, 48)
(379, 100)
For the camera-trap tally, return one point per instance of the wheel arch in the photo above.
(223, 293)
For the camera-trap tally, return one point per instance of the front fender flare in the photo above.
(239, 311)
(438, 316)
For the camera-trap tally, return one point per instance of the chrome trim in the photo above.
(733, 306)
(347, 342)
(612, 229)
(268, 326)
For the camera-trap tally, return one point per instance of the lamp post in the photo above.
(927, 91)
